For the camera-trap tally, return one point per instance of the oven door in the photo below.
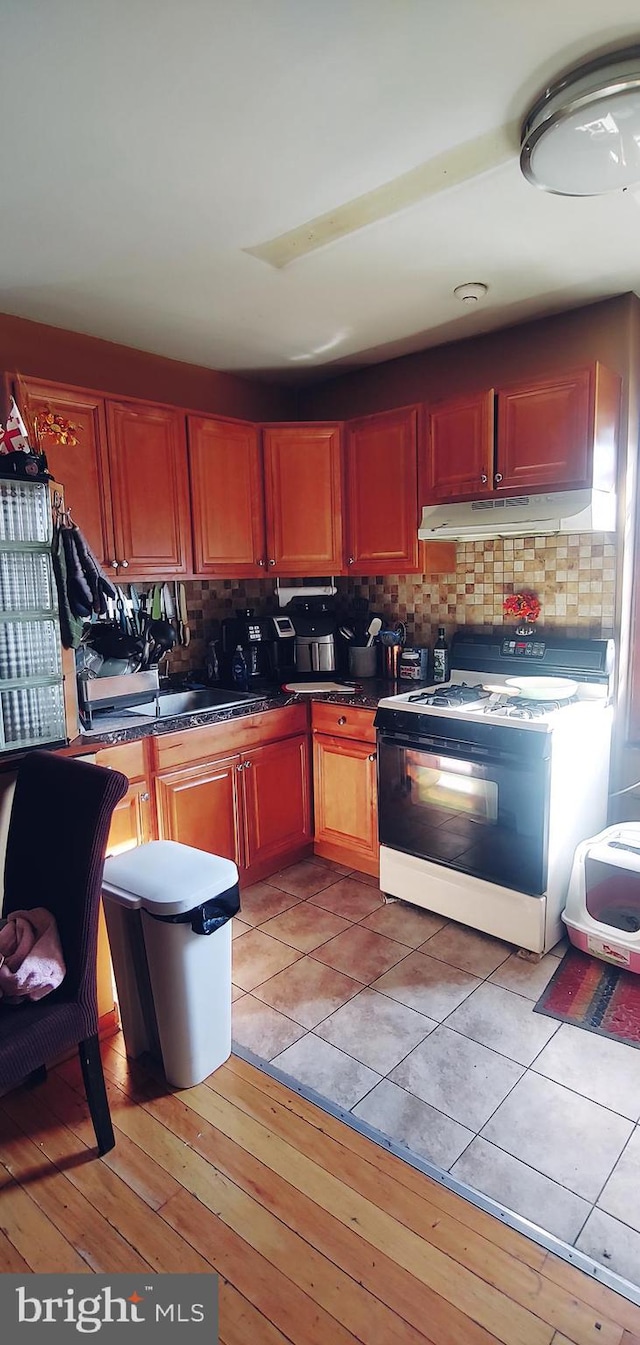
(481, 811)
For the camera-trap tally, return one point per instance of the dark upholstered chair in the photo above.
(57, 838)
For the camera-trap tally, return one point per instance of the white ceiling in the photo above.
(146, 144)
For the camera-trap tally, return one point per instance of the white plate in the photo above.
(544, 688)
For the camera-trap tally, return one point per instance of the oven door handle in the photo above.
(444, 747)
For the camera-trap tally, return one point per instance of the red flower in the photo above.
(524, 606)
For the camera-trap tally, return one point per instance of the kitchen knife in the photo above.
(156, 603)
(168, 609)
(184, 616)
(178, 622)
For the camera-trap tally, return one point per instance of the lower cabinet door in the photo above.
(345, 801)
(131, 820)
(199, 806)
(277, 802)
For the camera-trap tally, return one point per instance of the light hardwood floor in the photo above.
(319, 1236)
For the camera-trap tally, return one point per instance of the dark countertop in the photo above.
(127, 727)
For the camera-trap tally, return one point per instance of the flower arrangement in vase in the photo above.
(525, 607)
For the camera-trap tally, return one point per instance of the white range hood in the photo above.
(520, 516)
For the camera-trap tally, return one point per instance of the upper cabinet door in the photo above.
(382, 493)
(149, 483)
(545, 433)
(458, 461)
(303, 498)
(227, 499)
(82, 469)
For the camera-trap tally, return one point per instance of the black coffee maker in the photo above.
(267, 643)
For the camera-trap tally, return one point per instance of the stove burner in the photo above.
(519, 707)
(454, 695)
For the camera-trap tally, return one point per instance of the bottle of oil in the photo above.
(441, 657)
(239, 670)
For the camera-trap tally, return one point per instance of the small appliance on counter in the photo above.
(315, 623)
(267, 644)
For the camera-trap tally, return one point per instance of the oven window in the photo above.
(453, 787)
(487, 818)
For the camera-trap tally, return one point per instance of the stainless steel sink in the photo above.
(172, 703)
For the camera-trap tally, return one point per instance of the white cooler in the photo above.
(168, 909)
(602, 913)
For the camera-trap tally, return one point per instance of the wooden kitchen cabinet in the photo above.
(240, 789)
(200, 806)
(558, 433)
(552, 433)
(150, 490)
(345, 786)
(132, 820)
(83, 468)
(227, 497)
(303, 499)
(277, 803)
(382, 493)
(458, 460)
(126, 481)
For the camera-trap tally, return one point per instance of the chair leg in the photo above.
(89, 1052)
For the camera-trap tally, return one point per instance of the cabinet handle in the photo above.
(247, 764)
(350, 560)
(114, 565)
(498, 477)
(272, 562)
(260, 562)
(144, 798)
(373, 756)
(124, 564)
(484, 478)
(342, 719)
(240, 767)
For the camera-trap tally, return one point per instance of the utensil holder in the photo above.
(363, 660)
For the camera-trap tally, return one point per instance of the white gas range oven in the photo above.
(484, 795)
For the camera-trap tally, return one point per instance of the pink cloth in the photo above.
(31, 961)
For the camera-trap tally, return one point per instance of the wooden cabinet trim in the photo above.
(196, 744)
(343, 721)
(130, 758)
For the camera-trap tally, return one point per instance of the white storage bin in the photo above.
(602, 913)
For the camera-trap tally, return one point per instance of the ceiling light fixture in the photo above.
(582, 135)
(471, 294)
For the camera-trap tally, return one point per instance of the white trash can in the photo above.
(168, 909)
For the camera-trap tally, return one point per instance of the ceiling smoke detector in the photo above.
(470, 294)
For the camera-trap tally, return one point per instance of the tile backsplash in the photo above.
(573, 576)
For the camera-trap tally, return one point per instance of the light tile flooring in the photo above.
(425, 1029)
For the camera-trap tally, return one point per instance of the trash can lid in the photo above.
(166, 877)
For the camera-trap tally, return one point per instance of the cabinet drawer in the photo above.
(343, 721)
(233, 735)
(126, 757)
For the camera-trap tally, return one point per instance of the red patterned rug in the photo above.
(594, 995)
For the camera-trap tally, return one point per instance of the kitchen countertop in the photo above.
(127, 727)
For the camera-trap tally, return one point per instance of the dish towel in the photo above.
(82, 587)
(31, 961)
